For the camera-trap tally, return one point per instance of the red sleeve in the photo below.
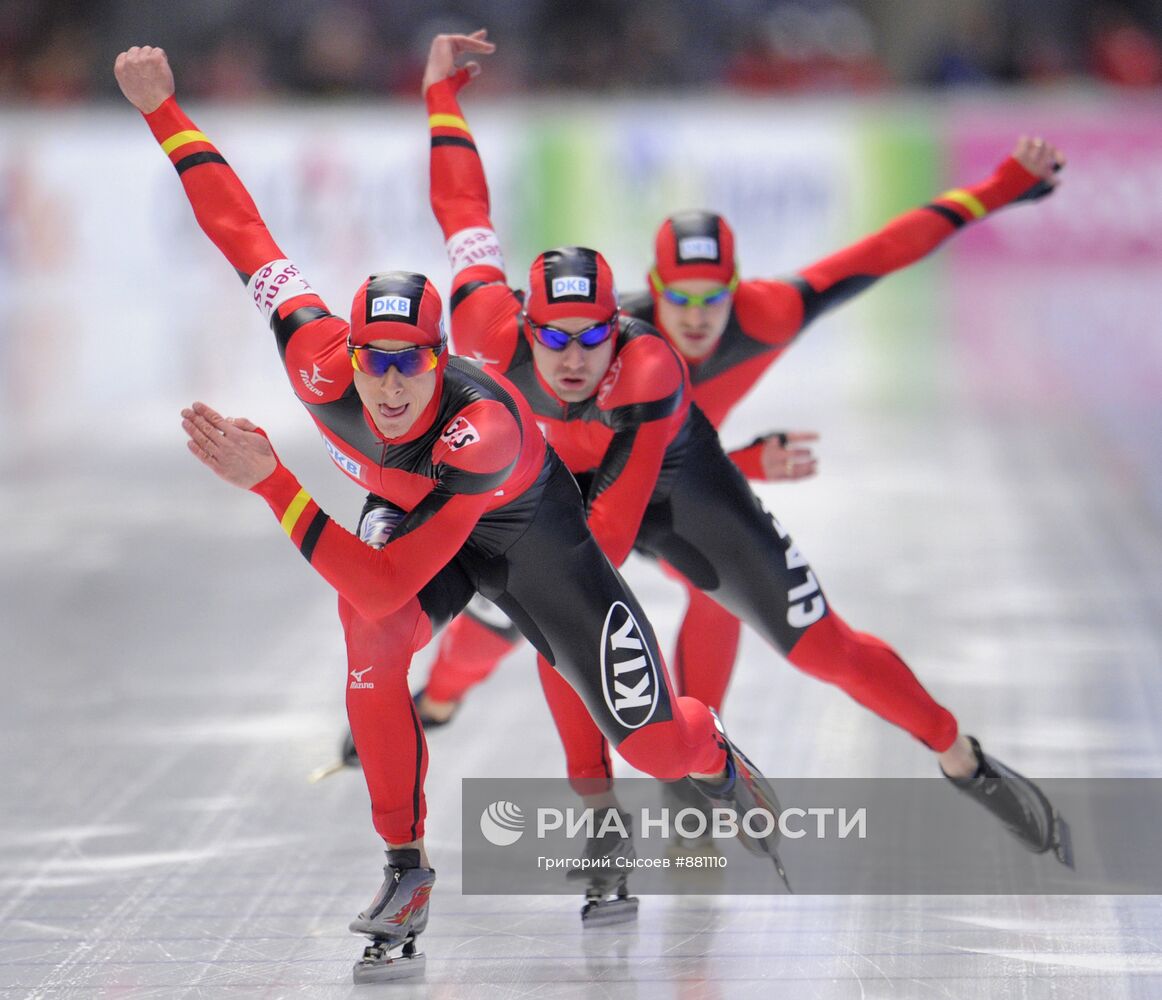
(221, 204)
(643, 399)
(645, 370)
(903, 241)
(615, 514)
(312, 340)
(478, 448)
(486, 323)
(377, 582)
(769, 311)
(459, 191)
(483, 307)
(750, 459)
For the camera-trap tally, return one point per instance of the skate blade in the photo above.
(782, 872)
(386, 970)
(380, 965)
(319, 773)
(1062, 840)
(763, 849)
(609, 911)
(768, 851)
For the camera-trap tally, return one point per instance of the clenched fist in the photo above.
(144, 76)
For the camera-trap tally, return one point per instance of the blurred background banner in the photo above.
(101, 258)
(806, 124)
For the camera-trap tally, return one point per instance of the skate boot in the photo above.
(348, 757)
(1019, 804)
(428, 721)
(607, 898)
(393, 921)
(744, 789)
(682, 797)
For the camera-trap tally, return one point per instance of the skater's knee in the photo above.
(828, 650)
(391, 637)
(657, 750)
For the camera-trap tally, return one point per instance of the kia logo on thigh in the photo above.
(629, 676)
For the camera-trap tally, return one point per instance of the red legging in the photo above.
(390, 740)
(866, 667)
(469, 651)
(387, 732)
(707, 646)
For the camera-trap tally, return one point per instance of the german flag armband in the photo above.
(190, 148)
(304, 521)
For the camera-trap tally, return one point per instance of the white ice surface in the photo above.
(172, 671)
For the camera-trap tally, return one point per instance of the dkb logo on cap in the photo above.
(570, 286)
(698, 248)
(390, 305)
(502, 823)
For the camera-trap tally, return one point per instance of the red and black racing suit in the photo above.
(766, 317)
(686, 503)
(496, 511)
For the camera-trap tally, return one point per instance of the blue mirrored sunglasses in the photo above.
(408, 362)
(589, 338)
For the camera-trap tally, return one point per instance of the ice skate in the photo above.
(607, 898)
(1019, 804)
(745, 789)
(348, 757)
(394, 920)
(430, 721)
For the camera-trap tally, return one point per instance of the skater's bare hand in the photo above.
(447, 49)
(232, 447)
(144, 76)
(788, 455)
(1040, 158)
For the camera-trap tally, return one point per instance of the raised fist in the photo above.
(144, 76)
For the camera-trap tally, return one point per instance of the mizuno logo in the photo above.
(357, 676)
(312, 380)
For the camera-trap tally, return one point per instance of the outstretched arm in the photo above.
(459, 191)
(1028, 174)
(375, 581)
(481, 303)
(229, 217)
(221, 204)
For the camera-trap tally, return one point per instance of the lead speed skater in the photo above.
(464, 495)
